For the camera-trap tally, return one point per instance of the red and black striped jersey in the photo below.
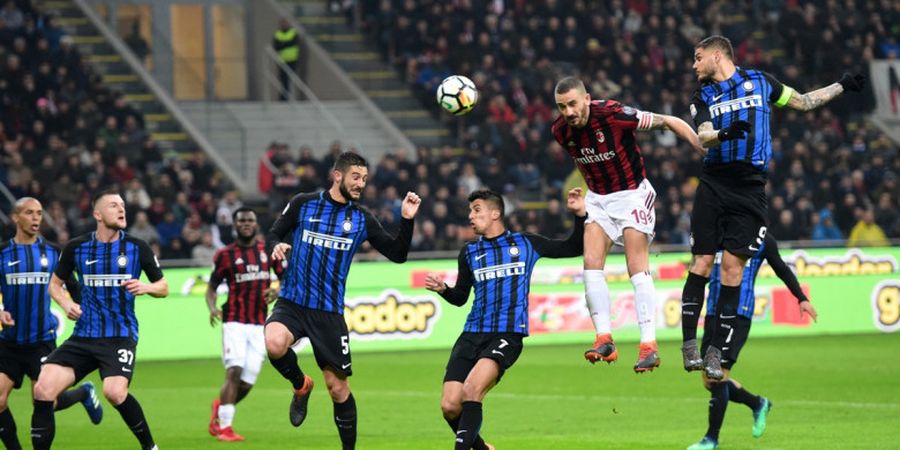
(247, 270)
(605, 150)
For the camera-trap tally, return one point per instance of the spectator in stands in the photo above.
(866, 233)
(202, 253)
(825, 229)
(141, 228)
(286, 43)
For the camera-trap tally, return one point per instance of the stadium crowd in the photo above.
(64, 134)
(831, 172)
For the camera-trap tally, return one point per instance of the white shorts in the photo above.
(623, 209)
(244, 346)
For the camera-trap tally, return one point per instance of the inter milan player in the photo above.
(319, 233)
(498, 265)
(29, 329)
(600, 136)
(731, 110)
(243, 264)
(109, 264)
(730, 390)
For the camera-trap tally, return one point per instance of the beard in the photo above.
(346, 192)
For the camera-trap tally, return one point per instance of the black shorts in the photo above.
(504, 348)
(18, 360)
(327, 333)
(730, 217)
(113, 356)
(733, 344)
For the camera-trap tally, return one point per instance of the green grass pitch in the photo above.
(829, 392)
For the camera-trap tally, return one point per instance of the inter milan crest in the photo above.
(348, 225)
(748, 86)
(514, 251)
(44, 261)
(122, 261)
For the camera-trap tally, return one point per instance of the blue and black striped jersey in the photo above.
(107, 309)
(768, 252)
(324, 235)
(744, 96)
(500, 270)
(25, 271)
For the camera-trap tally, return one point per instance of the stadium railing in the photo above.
(161, 94)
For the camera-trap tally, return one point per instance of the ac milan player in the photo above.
(600, 136)
(245, 266)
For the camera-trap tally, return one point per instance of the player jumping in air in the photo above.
(722, 392)
(600, 136)
(498, 265)
(731, 110)
(318, 234)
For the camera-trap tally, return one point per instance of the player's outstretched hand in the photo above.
(6, 319)
(280, 250)
(739, 129)
(72, 310)
(808, 308)
(575, 202)
(215, 316)
(435, 283)
(854, 82)
(410, 205)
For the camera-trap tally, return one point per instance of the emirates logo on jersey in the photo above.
(601, 138)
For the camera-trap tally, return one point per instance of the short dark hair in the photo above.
(103, 193)
(569, 83)
(490, 197)
(347, 159)
(720, 42)
(240, 210)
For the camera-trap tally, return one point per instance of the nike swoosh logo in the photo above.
(88, 263)
(344, 366)
(125, 369)
(478, 258)
(717, 97)
(12, 263)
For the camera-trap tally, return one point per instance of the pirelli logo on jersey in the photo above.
(500, 271)
(327, 240)
(18, 279)
(105, 280)
(751, 101)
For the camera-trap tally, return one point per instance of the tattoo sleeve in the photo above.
(709, 137)
(814, 99)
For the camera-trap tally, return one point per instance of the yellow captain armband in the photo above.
(786, 93)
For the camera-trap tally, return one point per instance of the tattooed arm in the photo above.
(814, 99)
(819, 97)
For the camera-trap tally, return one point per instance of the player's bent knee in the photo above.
(473, 391)
(338, 389)
(702, 265)
(278, 340)
(451, 409)
(115, 394)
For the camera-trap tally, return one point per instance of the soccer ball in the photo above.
(457, 95)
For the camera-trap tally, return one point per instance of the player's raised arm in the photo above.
(814, 99)
(396, 248)
(574, 244)
(656, 121)
(458, 294)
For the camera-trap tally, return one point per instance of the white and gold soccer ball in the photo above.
(457, 95)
